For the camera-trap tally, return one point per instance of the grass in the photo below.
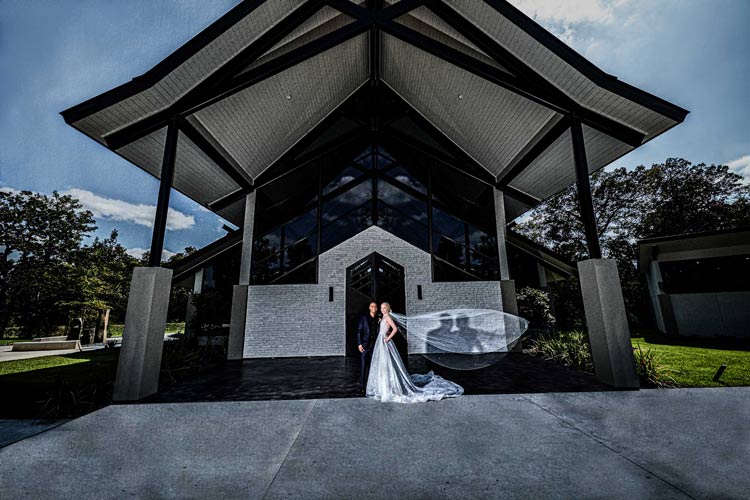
(116, 330)
(692, 362)
(34, 387)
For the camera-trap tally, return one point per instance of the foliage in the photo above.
(72, 385)
(534, 305)
(570, 348)
(40, 237)
(669, 198)
(651, 371)
(692, 362)
(212, 307)
(566, 297)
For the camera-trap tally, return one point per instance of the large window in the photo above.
(321, 204)
(715, 274)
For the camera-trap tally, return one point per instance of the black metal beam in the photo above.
(585, 201)
(218, 158)
(165, 186)
(229, 199)
(541, 145)
(240, 61)
(163, 68)
(529, 87)
(584, 66)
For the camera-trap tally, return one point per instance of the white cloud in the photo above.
(138, 253)
(566, 11)
(741, 166)
(129, 212)
(8, 189)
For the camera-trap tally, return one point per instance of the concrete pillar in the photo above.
(510, 305)
(236, 344)
(191, 311)
(542, 275)
(607, 323)
(143, 335)
(237, 323)
(501, 235)
(247, 239)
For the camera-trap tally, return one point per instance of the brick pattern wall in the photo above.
(299, 320)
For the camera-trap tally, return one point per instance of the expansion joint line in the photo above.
(605, 445)
(291, 446)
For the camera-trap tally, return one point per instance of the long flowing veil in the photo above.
(462, 339)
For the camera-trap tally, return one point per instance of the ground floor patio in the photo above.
(338, 377)
(681, 443)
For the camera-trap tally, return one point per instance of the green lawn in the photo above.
(73, 383)
(693, 362)
(116, 330)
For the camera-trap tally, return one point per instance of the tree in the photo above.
(40, 237)
(669, 198)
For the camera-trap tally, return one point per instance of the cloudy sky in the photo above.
(54, 54)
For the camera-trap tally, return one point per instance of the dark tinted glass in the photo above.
(340, 178)
(266, 269)
(404, 227)
(411, 177)
(267, 244)
(448, 225)
(482, 242)
(449, 250)
(403, 202)
(300, 227)
(301, 251)
(345, 227)
(302, 274)
(343, 203)
(443, 271)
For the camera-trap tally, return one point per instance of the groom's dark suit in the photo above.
(367, 332)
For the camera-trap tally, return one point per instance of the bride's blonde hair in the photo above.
(387, 306)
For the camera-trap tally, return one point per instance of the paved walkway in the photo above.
(338, 376)
(681, 443)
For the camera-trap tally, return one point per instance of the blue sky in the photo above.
(54, 54)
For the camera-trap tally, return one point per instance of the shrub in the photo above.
(651, 372)
(534, 305)
(570, 348)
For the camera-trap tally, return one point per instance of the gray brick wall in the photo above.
(298, 320)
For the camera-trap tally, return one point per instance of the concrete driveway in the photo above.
(681, 443)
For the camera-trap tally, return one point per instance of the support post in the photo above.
(502, 249)
(191, 310)
(237, 323)
(143, 335)
(165, 187)
(148, 300)
(606, 319)
(507, 285)
(583, 186)
(607, 323)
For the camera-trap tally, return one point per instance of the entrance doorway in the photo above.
(379, 279)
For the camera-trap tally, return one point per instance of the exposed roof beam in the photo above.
(585, 66)
(163, 68)
(228, 200)
(238, 62)
(237, 175)
(538, 145)
(545, 95)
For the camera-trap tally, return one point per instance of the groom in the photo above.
(367, 332)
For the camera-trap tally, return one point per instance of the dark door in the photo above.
(379, 279)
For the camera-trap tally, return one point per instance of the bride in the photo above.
(389, 380)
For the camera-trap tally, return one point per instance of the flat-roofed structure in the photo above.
(338, 131)
(699, 283)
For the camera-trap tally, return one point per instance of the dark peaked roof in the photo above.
(255, 84)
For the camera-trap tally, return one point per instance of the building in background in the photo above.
(699, 283)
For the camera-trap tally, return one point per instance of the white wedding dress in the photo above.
(390, 382)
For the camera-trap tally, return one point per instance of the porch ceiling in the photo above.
(497, 86)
